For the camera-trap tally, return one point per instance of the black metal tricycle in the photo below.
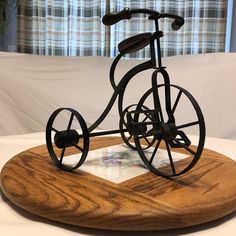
(147, 125)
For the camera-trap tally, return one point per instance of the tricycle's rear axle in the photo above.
(68, 138)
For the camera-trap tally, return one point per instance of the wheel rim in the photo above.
(67, 139)
(171, 134)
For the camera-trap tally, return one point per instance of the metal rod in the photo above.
(105, 132)
(158, 45)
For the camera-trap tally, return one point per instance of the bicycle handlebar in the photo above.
(178, 20)
(114, 17)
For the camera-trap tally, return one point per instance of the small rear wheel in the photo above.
(143, 115)
(73, 138)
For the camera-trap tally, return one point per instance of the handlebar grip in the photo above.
(177, 23)
(112, 18)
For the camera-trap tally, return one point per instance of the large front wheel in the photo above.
(177, 115)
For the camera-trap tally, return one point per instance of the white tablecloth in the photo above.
(14, 221)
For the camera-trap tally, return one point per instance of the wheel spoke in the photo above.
(77, 146)
(187, 125)
(175, 105)
(144, 119)
(170, 158)
(62, 155)
(154, 152)
(55, 130)
(147, 116)
(185, 147)
(129, 138)
(70, 121)
(148, 142)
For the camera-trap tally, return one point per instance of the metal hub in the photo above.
(66, 138)
(168, 130)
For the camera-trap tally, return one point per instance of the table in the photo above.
(14, 221)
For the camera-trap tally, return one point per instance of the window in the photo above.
(75, 28)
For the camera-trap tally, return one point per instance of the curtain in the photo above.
(75, 28)
(68, 28)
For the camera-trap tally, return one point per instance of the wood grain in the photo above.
(146, 202)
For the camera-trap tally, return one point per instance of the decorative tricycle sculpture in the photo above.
(141, 128)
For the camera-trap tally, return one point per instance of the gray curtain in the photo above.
(74, 27)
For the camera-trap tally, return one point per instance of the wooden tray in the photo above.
(146, 202)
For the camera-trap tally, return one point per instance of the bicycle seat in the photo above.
(134, 43)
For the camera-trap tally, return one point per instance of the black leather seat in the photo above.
(134, 43)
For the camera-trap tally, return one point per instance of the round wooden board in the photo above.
(146, 202)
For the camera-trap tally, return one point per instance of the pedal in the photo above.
(183, 140)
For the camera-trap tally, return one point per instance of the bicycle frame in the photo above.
(120, 88)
